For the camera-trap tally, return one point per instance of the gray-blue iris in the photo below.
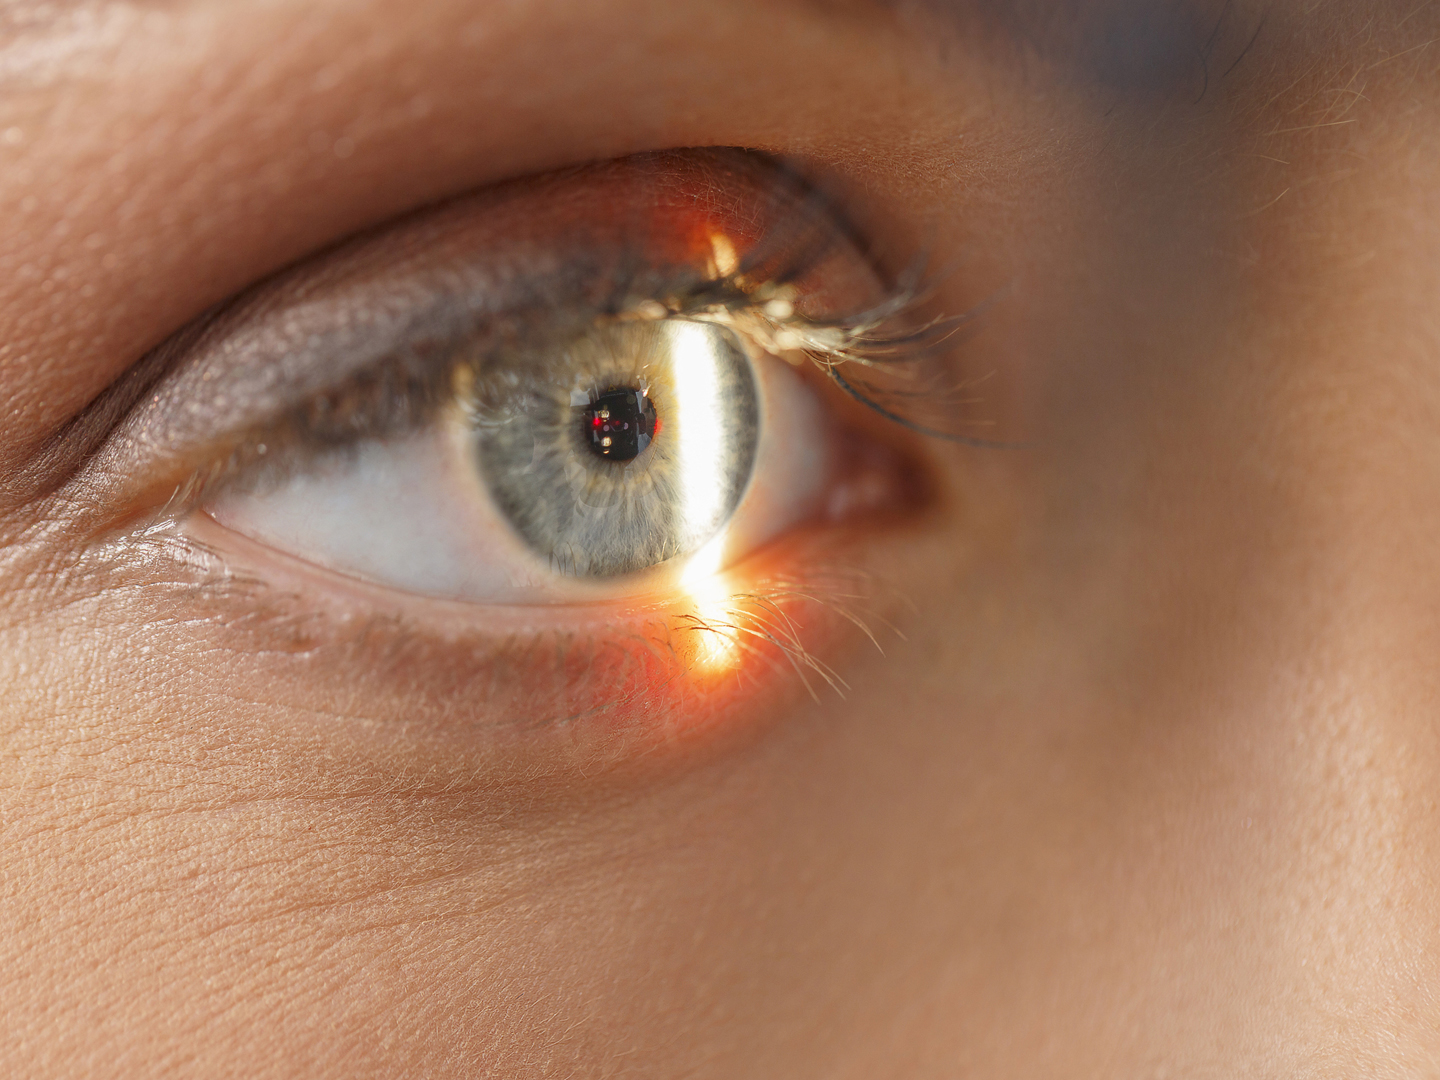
(678, 402)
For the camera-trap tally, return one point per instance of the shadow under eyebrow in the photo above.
(1159, 47)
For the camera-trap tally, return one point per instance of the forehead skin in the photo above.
(1148, 788)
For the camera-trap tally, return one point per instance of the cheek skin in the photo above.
(341, 868)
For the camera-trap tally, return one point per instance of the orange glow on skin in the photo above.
(712, 596)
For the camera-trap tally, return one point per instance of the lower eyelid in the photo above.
(475, 693)
(483, 679)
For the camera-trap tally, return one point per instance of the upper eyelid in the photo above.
(253, 369)
(279, 341)
(187, 183)
(252, 360)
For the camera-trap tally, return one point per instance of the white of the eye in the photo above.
(406, 512)
(414, 514)
(793, 463)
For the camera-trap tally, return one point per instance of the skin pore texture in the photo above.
(1142, 781)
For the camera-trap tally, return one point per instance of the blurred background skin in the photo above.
(1149, 788)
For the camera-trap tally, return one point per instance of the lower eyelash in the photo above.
(758, 623)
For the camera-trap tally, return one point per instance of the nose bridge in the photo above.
(1243, 536)
(1297, 467)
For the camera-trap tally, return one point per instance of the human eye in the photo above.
(632, 430)
(569, 406)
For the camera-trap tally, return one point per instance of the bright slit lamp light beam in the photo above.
(699, 408)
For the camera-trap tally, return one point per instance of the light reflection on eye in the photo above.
(703, 407)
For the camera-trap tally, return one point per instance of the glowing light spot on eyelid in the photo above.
(722, 251)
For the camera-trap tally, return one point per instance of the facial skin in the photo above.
(1144, 784)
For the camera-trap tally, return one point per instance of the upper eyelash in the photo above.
(884, 337)
(163, 432)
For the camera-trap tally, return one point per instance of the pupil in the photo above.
(619, 423)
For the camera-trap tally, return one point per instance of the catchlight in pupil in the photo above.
(620, 422)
